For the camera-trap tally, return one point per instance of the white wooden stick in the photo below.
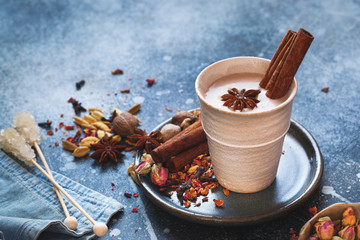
(63, 191)
(100, 229)
(41, 155)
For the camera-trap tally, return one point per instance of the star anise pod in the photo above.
(107, 150)
(141, 140)
(238, 100)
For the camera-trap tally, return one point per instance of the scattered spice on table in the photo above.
(107, 150)
(77, 106)
(117, 72)
(128, 195)
(325, 90)
(79, 84)
(46, 124)
(67, 127)
(134, 210)
(126, 90)
(150, 81)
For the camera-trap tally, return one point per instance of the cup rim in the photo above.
(283, 104)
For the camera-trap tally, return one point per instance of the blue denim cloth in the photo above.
(29, 205)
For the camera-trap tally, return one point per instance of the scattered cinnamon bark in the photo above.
(285, 63)
(188, 138)
(178, 162)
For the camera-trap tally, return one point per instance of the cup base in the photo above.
(245, 169)
(246, 188)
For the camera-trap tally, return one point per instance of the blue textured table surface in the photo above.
(48, 46)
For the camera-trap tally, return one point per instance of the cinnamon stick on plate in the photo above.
(285, 63)
(188, 138)
(178, 162)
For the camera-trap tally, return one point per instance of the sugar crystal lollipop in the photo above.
(26, 125)
(11, 141)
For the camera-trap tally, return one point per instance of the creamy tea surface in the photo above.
(240, 81)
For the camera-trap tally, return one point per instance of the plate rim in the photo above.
(243, 220)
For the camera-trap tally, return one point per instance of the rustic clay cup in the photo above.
(245, 147)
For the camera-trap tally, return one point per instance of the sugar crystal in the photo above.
(11, 141)
(26, 125)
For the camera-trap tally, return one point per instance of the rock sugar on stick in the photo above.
(26, 125)
(190, 137)
(285, 63)
(11, 141)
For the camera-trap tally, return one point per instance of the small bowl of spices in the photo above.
(338, 221)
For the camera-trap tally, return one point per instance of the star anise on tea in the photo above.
(238, 100)
(141, 140)
(107, 150)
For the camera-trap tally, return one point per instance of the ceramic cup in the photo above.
(245, 147)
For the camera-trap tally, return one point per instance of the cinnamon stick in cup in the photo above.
(279, 54)
(190, 137)
(285, 63)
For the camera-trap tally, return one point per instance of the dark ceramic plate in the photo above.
(299, 173)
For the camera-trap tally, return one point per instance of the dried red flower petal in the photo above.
(226, 191)
(187, 204)
(134, 210)
(50, 133)
(135, 194)
(205, 199)
(126, 90)
(313, 210)
(69, 127)
(150, 81)
(325, 90)
(218, 202)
